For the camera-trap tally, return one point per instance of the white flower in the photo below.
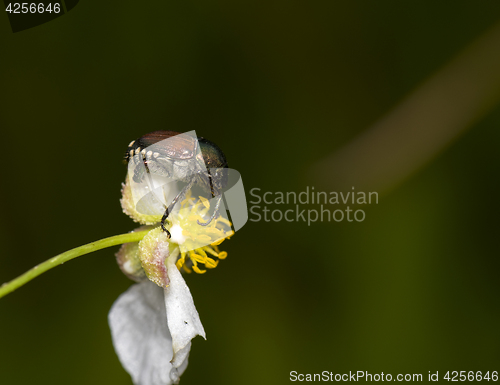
(152, 327)
(153, 322)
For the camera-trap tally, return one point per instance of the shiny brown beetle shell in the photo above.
(181, 147)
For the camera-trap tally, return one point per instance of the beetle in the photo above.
(181, 157)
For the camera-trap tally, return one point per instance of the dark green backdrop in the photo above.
(278, 85)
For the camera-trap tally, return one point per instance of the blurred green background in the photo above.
(278, 85)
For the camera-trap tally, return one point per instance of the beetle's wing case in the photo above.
(170, 144)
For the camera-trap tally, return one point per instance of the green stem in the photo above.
(9, 287)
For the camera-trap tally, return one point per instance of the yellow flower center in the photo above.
(198, 245)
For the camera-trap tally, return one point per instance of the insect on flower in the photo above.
(180, 157)
(153, 322)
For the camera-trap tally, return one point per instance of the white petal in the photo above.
(152, 332)
(183, 319)
(140, 335)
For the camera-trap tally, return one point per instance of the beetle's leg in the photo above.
(169, 209)
(214, 215)
(216, 211)
(163, 219)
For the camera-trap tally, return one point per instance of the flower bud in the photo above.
(153, 251)
(129, 261)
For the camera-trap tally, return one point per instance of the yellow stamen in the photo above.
(205, 202)
(211, 263)
(209, 250)
(181, 260)
(196, 257)
(217, 243)
(214, 231)
(223, 255)
(203, 238)
(200, 241)
(197, 269)
(194, 218)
